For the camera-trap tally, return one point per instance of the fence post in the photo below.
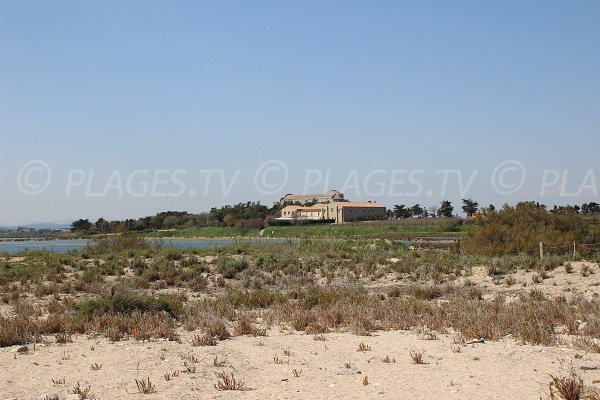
(542, 250)
(574, 250)
(458, 247)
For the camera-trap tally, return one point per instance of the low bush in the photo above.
(128, 303)
(230, 267)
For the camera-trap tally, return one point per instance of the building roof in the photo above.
(329, 194)
(369, 204)
(291, 208)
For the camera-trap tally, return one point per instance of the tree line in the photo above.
(243, 215)
(470, 207)
(445, 210)
(254, 214)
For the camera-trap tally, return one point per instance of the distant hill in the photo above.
(40, 225)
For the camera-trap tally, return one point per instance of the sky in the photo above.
(122, 109)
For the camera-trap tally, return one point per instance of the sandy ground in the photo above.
(493, 370)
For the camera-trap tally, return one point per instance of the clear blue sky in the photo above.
(344, 86)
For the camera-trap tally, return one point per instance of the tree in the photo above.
(518, 229)
(102, 225)
(400, 211)
(169, 222)
(416, 211)
(470, 207)
(433, 211)
(445, 209)
(590, 208)
(81, 225)
(491, 208)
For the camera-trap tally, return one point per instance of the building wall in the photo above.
(339, 211)
(369, 213)
(289, 212)
(313, 214)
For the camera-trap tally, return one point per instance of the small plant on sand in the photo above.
(227, 381)
(280, 361)
(388, 360)
(63, 338)
(363, 347)
(96, 367)
(297, 373)
(366, 380)
(190, 358)
(217, 328)
(585, 270)
(455, 349)
(510, 280)
(568, 387)
(204, 340)
(458, 339)
(144, 386)
(60, 381)
(170, 375)
(189, 367)
(568, 268)
(536, 278)
(417, 357)
(319, 337)
(429, 335)
(347, 365)
(84, 393)
(217, 363)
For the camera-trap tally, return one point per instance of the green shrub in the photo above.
(127, 303)
(230, 267)
(118, 243)
(519, 229)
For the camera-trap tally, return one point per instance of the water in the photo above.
(64, 246)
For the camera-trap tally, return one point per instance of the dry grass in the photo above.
(204, 340)
(568, 387)
(217, 363)
(84, 393)
(363, 347)
(145, 386)
(282, 285)
(170, 375)
(417, 357)
(280, 361)
(62, 338)
(96, 367)
(227, 381)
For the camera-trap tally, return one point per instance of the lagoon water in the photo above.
(64, 246)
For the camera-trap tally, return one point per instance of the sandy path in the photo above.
(494, 370)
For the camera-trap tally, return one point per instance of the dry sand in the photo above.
(492, 370)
